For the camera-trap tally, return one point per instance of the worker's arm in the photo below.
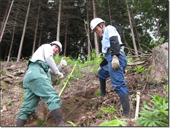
(114, 46)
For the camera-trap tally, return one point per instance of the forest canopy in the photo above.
(149, 20)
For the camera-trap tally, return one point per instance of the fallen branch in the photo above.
(133, 64)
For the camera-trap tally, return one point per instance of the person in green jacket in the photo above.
(37, 83)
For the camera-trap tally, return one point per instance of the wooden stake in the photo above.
(137, 105)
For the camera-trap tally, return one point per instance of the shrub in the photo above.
(154, 116)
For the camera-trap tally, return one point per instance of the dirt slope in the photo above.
(79, 103)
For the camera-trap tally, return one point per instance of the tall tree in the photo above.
(95, 35)
(110, 16)
(3, 28)
(5, 15)
(140, 48)
(23, 34)
(13, 33)
(88, 29)
(133, 38)
(65, 43)
(35, 35)
(58, 24)
(143, 21)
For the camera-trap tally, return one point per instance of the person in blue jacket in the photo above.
(114, 62)
(37, 83)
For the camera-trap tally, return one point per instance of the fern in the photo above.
(156, 114)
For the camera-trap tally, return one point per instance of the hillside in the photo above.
(79, 102)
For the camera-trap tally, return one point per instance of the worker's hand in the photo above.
(60, 75)
(115, 62)
(63, 63)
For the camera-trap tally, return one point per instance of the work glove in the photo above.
(63, 63)
(60, 75)
(115, 62)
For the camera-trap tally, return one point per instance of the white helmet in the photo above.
(95, 22)
(58, 44)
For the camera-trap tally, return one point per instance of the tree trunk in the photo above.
(110, 16)
(6, 52)
(41, 32)
(140, 48)
(133, 38)
(127, 44)
(88, 30)
(40, 36)
(35, 36)
(65, 43)
(9, 54)
(5, 15)
(58, 25)
(95, 35)
(2, 32)
(23, 34)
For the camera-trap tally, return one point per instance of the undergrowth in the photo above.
(90, 66)
(155, 113)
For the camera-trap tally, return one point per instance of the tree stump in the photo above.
(160, 70)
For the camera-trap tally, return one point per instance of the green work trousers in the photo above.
(37, 84)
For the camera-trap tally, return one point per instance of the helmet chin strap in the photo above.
(101, 27)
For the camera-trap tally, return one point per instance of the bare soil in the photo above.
(79, 102)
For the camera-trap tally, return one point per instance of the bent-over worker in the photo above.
(37, 83)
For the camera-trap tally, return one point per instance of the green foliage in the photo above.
(99, 115)
(70, 60)
(166, 87)
(145, 15)
(10, 102)
(69, 108)
(81, 65)
(154, 116)
(97, 93)
(39, 122)
(77, 72)
(3, 73)
(95, 61)
(109, 111)
(72, 123)
(160, 42)
(115, 122)
(129, 60)
(111, 123)
(140, 69)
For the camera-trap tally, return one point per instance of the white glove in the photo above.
(63, 63)
(115, 62)
(60, 75)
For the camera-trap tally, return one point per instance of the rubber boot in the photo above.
(57, 114)
(124, 99)
(102, 87)
(20, 122)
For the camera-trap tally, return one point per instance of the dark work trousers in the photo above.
(117, 76)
